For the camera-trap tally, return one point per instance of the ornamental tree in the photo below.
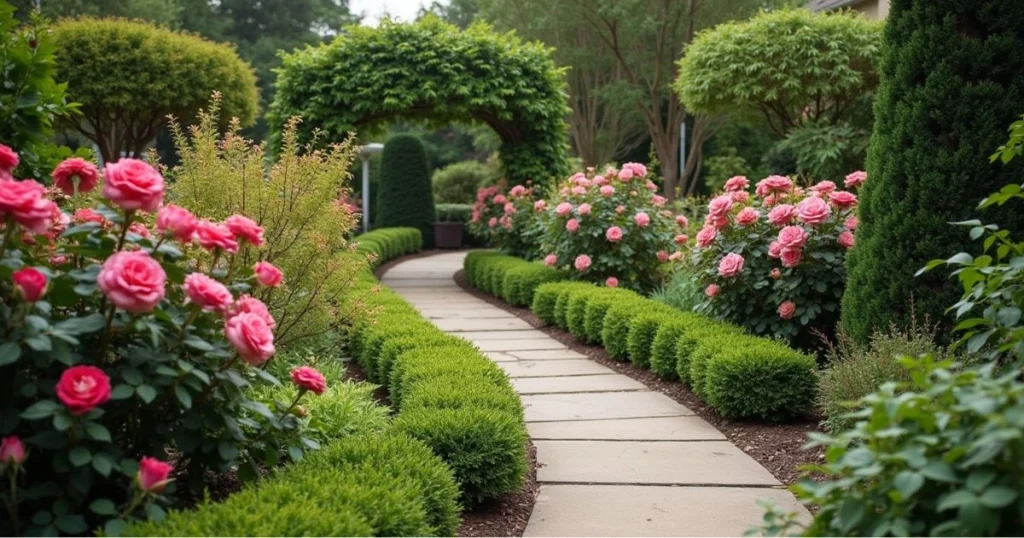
(129, 76)
(404, 197)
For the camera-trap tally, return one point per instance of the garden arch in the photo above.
(431, 69)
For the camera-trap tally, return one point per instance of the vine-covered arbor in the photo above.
(434, 70)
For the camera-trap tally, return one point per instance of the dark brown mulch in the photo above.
(778, 447)
(507, 516)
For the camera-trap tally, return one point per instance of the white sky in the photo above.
(375, 9)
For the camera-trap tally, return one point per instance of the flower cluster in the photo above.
(612, 227)
(507, 218)
(773, 260)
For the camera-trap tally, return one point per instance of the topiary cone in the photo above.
(404, 197)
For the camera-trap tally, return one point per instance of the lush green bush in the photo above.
(642, 331)
(561, 311)
(404, 197)
(663, 349)
(458, 182)
(509, 219)
(454, 213)
(129, 76)
(618, 323)
(578, 304)
(682, 290)
(760, 379)
(952, 79)
(431, 68)
(596, 309)
(512, 279)
(694, 335)
(389, 243)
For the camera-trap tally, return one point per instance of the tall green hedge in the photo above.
(404, 197)
(952, 80)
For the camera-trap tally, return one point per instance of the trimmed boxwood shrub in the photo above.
(615, 327)
(663, 349)
(521, 281)
(425, 363)
(394, 347)
(547, 295)
(642, 330)
(759, 379)
(561, 311)
(687, 343)
(404, 197)
(597, 307)
(576, 310)
(459, 391)
(386, 328)
(389, 243)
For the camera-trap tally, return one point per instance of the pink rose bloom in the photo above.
(493, 222)
(132, 185)
(782, 214)
(651, 186)
(620, 209)
(813, 211)
(516, 191)
(248, 304)
(638, 169)
(607, 190)
(676, 256)
(583, 182)
(717, 223)
(845, 240)
(29, 283)
(625, 174)
(642, 219)
(564, 191)
(600, 180)
(791, 256)
(855, 179)
(268, 275)
(540, 205)
(823, 188)
(550, 260)
(563, 209)
(843, 199)
(58, 260)
(740, 197)
(176, 222)
(139, 229)
(12, 451)
(251, 337)
(613, 234)
(748, 216)
(8, 161)
(775, 274)
(476, 215)
(87, 215)
(206, 292)
(719, 206)
(75, 169)
(706, 236)
(787, 309)
(509, 209)
(213, 236)
(774, 184)
(770, 200)
(584, 209)
(499, 199)
(153, 475)
(775, 249)
(737, 183)
(82, 388)
(572, 225)
(26, 202)
(658, 201)
(662, 256)
(731, 265)
(681, 239)
(132, 281)
(712, 290)
(611, 282)
(579, 190)
(506, 222)
(852, 223)
(582, 262)
(245, 229)
(682, 221)
(793, 237)
(306, 378)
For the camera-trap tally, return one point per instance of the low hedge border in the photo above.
(511, 279)
(389, 243)
(739, 375)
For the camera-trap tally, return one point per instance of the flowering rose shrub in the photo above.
(612, 228)
(508, 219)
(120, 361)
(772, 261)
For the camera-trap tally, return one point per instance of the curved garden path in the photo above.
(613, 458)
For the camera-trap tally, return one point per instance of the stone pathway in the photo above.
(614, 458)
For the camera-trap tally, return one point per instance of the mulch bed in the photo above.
(778, 447)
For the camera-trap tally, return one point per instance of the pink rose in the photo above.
(712, 290)
(845, 240)
(87, 215)
(577, 190)
(306, 378)
(642, 219)
(770, 200)
(540, 205)
(12, 451)
(682, 221)
(8, 161)
(58, 260)
(509, 209)
(782, 214)
(268, 275)
(787, 309)
(245, 229)
(791, 256)
(132, 281)
(550, 260)
(176, 222)
(852, 223)
(737, 183)
(625, 174)
(582, 262)
(584, 209)
(499, 199)
(563, 209)
(572, 225)
(813, 211)
(793, 237)
(600, 180)
(251, 337)
(153, 475)
(662, 256)
(855, 179)
(719, 206)
(638, 169)
(676, 256)
(132, 184)
(506, 222)
(248, 304)
(620, 209)
(823, 188)
(493, 222)
(613, 234)
(740, 197)
(775, 249)
(82, 388)
(775, 273)
(611, 282)
(75, 170)
(658, 201)
(517, 191)
(607, 190)
(731, 265)
(706, 236)
(651, 186)
(140, 229)
(774, 184)
(681, 239)
(213, 236)
(583, 182)
(843, 199)
(476, 215)
(748, 216)
(207, 292)
(29, 283)
(26, 202)
(717, 223)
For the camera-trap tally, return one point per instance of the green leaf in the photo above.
(79, 456)
(295, 453)
(115, 527)
(939, 471)
(39, 410)
(83, 325)
(71, 524)
(908, 483)
(102, 463)
(198, 344)
(97, 432)
(851, 512)
(183, 396)
(146, 393)
(122, 391)
(62, 422)
(155, 512)
(9, 353)
(103, 507)
(998, 497)
(39, 342)
(227, 451)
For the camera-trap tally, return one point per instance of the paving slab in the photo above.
(553, 368)
(600, 406)
(597, 510)
(465, 313)
(691, 428)
(577, 383)
(524, 343)
(420, 285)
(498, 356)
(686, 463)
(547, 354)
(460, 325)
(478, 336)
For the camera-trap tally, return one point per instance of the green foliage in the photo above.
(663, 349)
(508, 220)
(454, 212)
(720, 167)
(512, 279)
(578, 305)
(827, 151)
(937, 456)
(686, 346)
(682, 291)
(432, 68)
(642, 331)
(129, 76)
(457, 183)
(945, 99)
(386, 244)
(760, 379)
(597, 307)
(792, 65)
(404, 198)
(615, 327)
(543, 305)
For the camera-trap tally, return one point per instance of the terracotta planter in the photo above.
(448, 234)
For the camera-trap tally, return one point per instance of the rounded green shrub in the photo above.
(424, 364)
(762, 380)
(544, 299)
(615, 327)
(576, 309)
(642, 330)
(687, 343)
(458, 182)
(562, 301)
(404, 197)
(708, 344)
(398, 345)
(663, 349)
(597, 307)
(388, 327)
(458, 390)
(522, 280)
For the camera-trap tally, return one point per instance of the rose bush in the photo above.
(508, 219)
(611, 227)
(128, 353)
(773, 261)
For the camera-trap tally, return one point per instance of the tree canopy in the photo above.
(431, 69)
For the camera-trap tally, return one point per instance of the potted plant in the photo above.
(451, 221)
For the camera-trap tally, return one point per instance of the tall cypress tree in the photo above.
(952, 81)
(405, 197)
